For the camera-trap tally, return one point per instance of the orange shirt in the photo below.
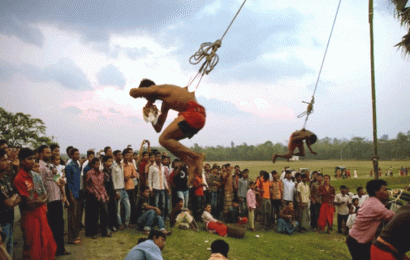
(129, 174)
(266, 185)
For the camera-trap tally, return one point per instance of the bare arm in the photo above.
(161, 119)
(148, 93)
(310, 149)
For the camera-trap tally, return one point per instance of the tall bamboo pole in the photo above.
(375, 158)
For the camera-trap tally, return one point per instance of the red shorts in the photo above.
(194, 115)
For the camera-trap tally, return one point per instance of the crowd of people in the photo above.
(115, 190)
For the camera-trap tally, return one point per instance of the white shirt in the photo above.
(156, 177)
(118, 176)
(304, 190)
(288, 189)
(361, 200)
(342, 209)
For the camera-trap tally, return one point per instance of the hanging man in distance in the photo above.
(296, 141)
(191, 119)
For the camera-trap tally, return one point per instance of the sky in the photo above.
(72, 63)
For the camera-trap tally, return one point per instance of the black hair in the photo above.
(312, 139)
(288, 171)
(298, 174)
(106, 149)
(144, 189)
(343, 187)
(319, 174)
(142, 239)
(251, 183)
(90, 152)
(265, 175)
(303, 175)
(227, 165)
(106, 158)
(2, 153)
(93, 161)
(237, 166)
(156, 153)
(116, 152)
(355, 199)
(359, 188)
(374, 185)
(54, 146)
(2, 141)
(315, 172)
(42, 148)
(274, 172)
(245, 171)
(72, 151)
(236, 200)
(288, 202)
(179, 200)
(327, 176)
(24, 153)
(67, 150)
(157, 234)
(146, 83)
(124, 152)
(144, 153)
(220, 246)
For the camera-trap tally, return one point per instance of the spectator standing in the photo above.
(251, 201)
(266, 190)
(129, 175)
(342, 202)
(119, 185)
(288, 187)
(227, 181)
(157, 182)
(316, 201)
(243, 185)
(277, 196)
(303, 191)
(327, 210)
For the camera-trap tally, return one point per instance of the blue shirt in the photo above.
(73, 175)
(146, 250)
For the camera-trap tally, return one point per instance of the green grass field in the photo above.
(269, 245)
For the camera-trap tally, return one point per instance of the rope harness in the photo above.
(309, 109)
(208, 50)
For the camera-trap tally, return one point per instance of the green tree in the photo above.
(21, 130)
(403, 13)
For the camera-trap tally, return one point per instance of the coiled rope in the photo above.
(208, 50)
(309, 109)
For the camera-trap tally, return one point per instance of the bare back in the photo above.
(173, 97)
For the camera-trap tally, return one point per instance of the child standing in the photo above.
(59, 176)
(251, 201)
(242, 189)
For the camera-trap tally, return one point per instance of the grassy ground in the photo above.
(268, 245)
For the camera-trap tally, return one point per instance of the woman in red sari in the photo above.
(39, 242)
(327, 210)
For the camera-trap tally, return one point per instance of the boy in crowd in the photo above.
(157, 182)
(190, 120)
(368, 219)
(199, 195)
(143, 159)
(97, 199)
(303, 191)
(243, 189)
(342, 203)
(33, 209)
(236, 215)
(296, 141)
(151, 215)
(113, 196)
(316, 201)
(129, 175)
(251, 201)
(266, 190)
(119, 185)
(9, 198)
(289, 188)
(276, 198)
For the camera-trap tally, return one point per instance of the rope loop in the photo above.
(207, 50)
(309, 109)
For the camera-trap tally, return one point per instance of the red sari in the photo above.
(327, 210)
(39, 242)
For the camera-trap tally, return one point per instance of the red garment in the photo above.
(143, 176)
(378, 254)
(220, 228)
(243, 221)
(327, 195)
(39, 242)
(194, 114)
(325, 216)
(199, 191)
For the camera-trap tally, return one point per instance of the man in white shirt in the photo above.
(119, 186)
(303, 192)
(288, 188)
(361, 196)
(157, 182)
(342, 202)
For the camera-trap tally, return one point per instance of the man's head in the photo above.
(207, 167)
(108, 151)
(107, 161)
(378, 189)
(314, 174)
(165, 160)
(95, 163)
(55, 149)
(146, 83)
(355, 202)
(159, 238)
(152, 157)
(343, 189)
(304, 177)
(175, 163)
(4, 161)
(145, 156)
(3, 144)
(274, 175)
(181, 202)
(235, 203)
(68, 150)
(90, 155)
(237, 169)
(45, 153)
(228, 167)
(74, 154)
(290, 204)
(26, 157)
(319, 177)
(298, 177)
(265, 175)
(55, 159)
(288, 174)
(158, 157)
(252, 185)
(221, 247)
(360, 191)
(311, 139)
(126, 155)
(145, 192)
(245, 173)
(117, 155)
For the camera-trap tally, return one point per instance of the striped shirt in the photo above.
(47, 176)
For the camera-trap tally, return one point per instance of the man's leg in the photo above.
(147, 220)
(127, 207)
(169, 139)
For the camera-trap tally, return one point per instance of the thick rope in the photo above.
(208, 50)
(310, 105)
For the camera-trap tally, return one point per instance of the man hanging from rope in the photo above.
(296, 141)
(190, 120)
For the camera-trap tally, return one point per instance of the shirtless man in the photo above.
(190, 120)
(296, 141)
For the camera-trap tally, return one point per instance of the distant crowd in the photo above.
(114, 190)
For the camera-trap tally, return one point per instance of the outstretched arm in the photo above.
(310, 149)
(148, 93)
(161, 119)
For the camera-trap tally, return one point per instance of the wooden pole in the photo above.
(375, 158)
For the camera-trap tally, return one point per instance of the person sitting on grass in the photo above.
(286, 222)
(149, 249)
(219, 249)
(151, 215)
(296, 141)
(181, 216)
(212, 225)
(236, 215)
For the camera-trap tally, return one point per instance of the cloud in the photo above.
(73, 110)
(11, 26)
(111, 76)
(112, 110)
(220, 107)
(6, 71)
